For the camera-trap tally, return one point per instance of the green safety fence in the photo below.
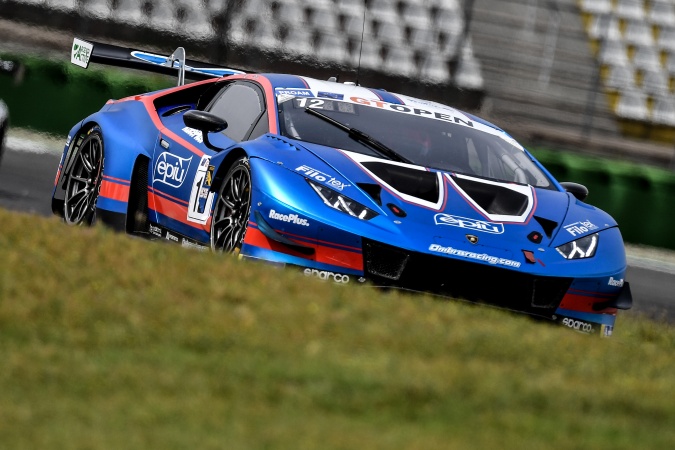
(640, 198)
(51, 96)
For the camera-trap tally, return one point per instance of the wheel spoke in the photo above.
(86, 164)
(230, 216)
(82, 187)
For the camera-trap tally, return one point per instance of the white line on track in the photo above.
(20, 140)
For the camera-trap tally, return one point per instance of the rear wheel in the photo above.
(84, 181)
(233, 206)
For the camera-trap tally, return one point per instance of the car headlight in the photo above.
(344, 204)
(581, 248)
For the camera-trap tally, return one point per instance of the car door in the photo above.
(182, 174)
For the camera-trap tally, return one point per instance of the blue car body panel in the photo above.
(450, 231)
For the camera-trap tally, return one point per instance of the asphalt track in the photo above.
(29, 165)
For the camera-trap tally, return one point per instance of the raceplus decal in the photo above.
(475, 256)
(578, 325)
(324, 275)
(290, 218)
(471, 224)
(322, 177)
(579, 228)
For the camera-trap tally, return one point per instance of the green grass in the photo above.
(108, 342)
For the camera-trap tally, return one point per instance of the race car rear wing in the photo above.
(84, 52)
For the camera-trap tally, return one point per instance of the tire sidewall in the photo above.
(241, 162)
(90, 216)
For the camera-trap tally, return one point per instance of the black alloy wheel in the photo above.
(233, 206)
(84, 181)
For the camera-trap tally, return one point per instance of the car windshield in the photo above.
(430, 139)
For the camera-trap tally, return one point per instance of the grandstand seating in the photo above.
(411, 38)
(506, 55)
(635, 44)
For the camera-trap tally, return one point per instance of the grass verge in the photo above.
(113, 342)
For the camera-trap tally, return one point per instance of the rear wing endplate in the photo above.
(84, 52)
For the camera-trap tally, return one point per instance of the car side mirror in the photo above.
(578, 190)
(206, 123)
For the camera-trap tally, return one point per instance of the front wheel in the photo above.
(84, 181)
(233, 206)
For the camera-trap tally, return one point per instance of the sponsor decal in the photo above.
(201, 197)
(171, 237)
(333, 95)
(194, 134)
(157, 231)
(617, 283)
(81, 53)
(472, 224)
(324, 275)
(189, 244)
(578, 325)
(171, 169)
(579, 228)
(288, 218)
(68, 140)
(606, 330)
(473, 255)
(413, 111)
(322, 177)
(295, 92)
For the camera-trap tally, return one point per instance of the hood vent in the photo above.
(494, 199)
(373, 190)
(548, 225)
(413, 182)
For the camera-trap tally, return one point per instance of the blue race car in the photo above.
(348, 183)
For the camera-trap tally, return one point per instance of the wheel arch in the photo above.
(227, 162)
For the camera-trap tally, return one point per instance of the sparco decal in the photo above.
(290, 218)
(579, 228)
(171, 169)
(323, 275)
(475, 256)
(322, 177)
(578, 325)
(471, 224)
(617, 283)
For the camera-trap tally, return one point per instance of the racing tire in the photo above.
(84, 181)
(232, 209)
